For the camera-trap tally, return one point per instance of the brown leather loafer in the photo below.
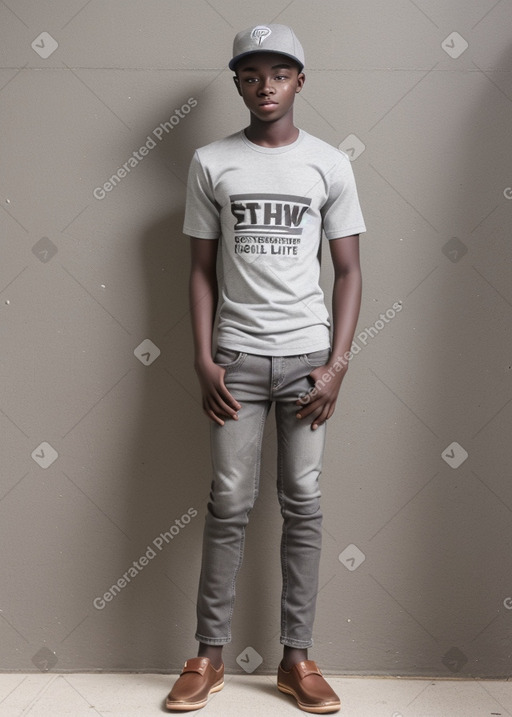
(197, 681)
(307, 684)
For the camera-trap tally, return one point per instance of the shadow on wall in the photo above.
(150, 622)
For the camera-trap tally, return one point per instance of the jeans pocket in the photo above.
(229, 358)
(314, 359)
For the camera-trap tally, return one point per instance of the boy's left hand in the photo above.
(320, 402)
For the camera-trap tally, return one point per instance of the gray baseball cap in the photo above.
(267, 38)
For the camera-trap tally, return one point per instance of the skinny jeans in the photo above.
(257, 382)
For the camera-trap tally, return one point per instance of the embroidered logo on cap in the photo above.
(260, 32)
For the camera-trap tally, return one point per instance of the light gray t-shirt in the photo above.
(268, 207)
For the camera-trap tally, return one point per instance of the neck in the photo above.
(272, 134)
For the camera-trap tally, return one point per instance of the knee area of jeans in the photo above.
(307, 507)
(222, 510)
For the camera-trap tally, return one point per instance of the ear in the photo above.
(237, 83)
(301, 78)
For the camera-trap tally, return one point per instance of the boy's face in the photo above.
(268, 83)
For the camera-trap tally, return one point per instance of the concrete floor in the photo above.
(121, 695)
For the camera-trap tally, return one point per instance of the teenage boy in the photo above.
(263, 196)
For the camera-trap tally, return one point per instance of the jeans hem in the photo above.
(301, 644)
(212, 640)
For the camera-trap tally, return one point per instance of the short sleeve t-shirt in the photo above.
(268, 207)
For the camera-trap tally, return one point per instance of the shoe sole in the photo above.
(323, 709)
(189, 706)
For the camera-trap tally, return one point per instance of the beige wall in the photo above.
(84, 281)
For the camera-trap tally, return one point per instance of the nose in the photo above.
(266, 86)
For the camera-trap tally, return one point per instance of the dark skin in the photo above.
(268, 83)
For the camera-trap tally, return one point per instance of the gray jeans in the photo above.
(256, 382)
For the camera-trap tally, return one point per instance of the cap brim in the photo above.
(236, 59)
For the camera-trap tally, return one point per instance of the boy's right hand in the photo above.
(218, 403)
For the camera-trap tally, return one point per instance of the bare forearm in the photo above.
(218, 403)
(320, 403)
(346, 304)
(203, 295)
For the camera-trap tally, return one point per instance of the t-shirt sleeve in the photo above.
(341, 213)
(202, 215)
